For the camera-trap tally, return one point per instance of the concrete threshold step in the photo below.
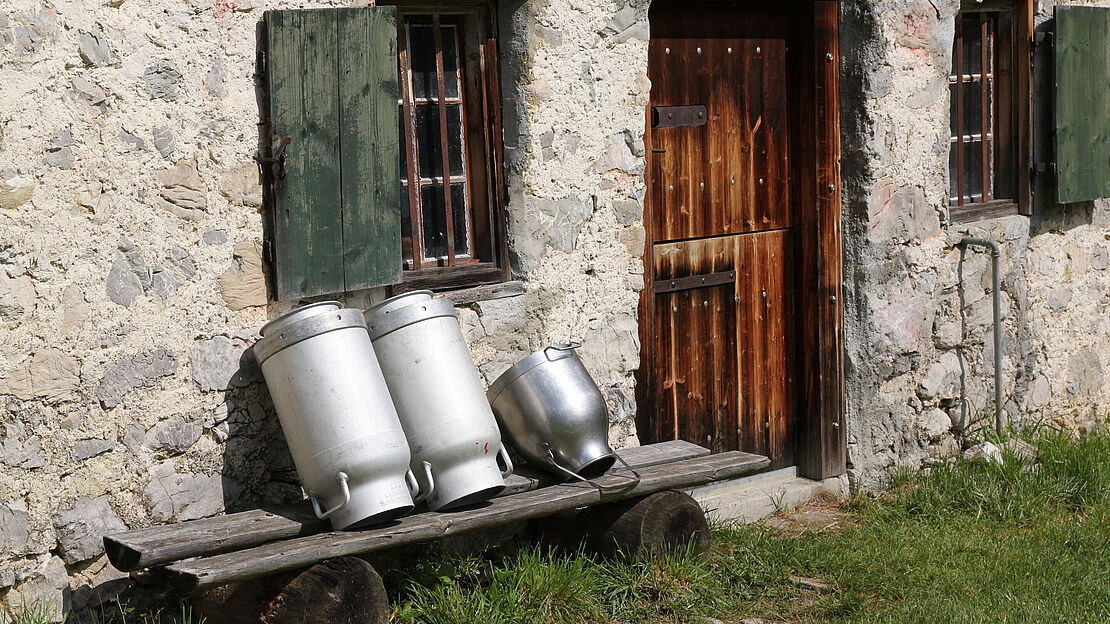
(752, 498)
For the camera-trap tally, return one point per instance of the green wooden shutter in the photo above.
(1082, 103)
(332, 91)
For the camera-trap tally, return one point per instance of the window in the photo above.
(382, 151)
(452, 229)
(989, 161)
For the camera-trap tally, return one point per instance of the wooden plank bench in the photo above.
(200, 555)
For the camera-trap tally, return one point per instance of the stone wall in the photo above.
(131, 278)
(918, 310)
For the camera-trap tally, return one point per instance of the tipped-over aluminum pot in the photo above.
(553, 413)
(335, 411)
(452, 434)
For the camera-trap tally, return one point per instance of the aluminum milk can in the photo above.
(439, 399)
(335, 411)
(553, 413)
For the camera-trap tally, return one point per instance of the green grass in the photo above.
(960, 543)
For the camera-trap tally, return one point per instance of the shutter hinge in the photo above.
(1041, 168)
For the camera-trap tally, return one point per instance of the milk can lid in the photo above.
(277, 337)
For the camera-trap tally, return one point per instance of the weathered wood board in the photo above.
(143, 548)
(206, 572)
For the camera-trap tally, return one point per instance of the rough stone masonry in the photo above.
(132, 280)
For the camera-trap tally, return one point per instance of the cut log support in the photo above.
(667, 521)
(344, 590)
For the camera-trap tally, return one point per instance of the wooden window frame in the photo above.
(1011, 112)
(481, 100)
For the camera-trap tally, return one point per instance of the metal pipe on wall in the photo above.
(996, 253)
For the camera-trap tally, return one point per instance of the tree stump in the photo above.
(344, 590)
(666, 521)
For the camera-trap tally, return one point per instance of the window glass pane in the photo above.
(450, 39)
(422, 60)
(406, 227)
(422, 52)
(427, 142)
(461, 217)
(952, 110)
(973, 108)
(973, 171)
(455, 142)
(434, 216)
(972, 45)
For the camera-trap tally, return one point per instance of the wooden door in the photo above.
(732, 216)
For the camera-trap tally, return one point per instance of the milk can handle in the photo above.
(414, 485)
(341, 478)
(504, 454)
(604, 489)
(570, 346)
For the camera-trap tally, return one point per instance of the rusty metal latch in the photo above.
(277, 159)
(675, 116)
(694, 281)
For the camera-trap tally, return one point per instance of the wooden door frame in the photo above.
(821, 440)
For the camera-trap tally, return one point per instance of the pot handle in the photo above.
(604, 489)
(341, 478)
(414, 485)
(503, 453)
(570, 346)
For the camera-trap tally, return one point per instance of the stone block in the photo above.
(1085, 376)
(49, 374)
(15, 190)
(17, 298)
(163, 141)
(618, 156)
(18, 451)
(81, 528)
(163, 80)
(611, 350)
(125, 375)
(132, 141)
(75, 309)
(241, 186)
(214, 237)
(219, 363)
(628, 211)
(15, 535)
(177, 496)
(85, 449)
(214, 79)
(173, 436)
(182, 191)
(93, 48)
(45, 582)
(61, 158)
(244, 284)
(934, 423)
(123, 286)
(1059, 297)
(942, 378)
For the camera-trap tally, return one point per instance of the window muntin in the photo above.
(433, 114)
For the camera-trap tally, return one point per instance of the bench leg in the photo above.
(664, 521)
(344, 590)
